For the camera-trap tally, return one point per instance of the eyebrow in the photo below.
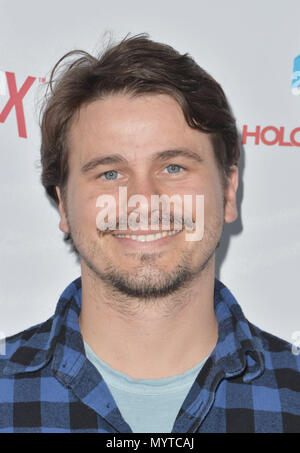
(119, 159)
(104, 160)
(165, 155)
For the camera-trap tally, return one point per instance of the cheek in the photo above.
(213, 192)
(82, 211)
(208, 207)
(205, 196)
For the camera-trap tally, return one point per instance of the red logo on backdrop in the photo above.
(15, 100)
(271, 135)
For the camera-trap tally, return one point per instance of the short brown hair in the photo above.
(137, 66)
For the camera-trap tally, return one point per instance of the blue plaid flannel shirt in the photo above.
(250, 382)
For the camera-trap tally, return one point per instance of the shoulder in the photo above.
(23, 346)
(282, 360)
(278, 346)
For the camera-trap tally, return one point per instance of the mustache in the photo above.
(172, 221)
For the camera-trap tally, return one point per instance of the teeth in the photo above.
(148, 237)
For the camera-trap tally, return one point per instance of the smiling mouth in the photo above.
(147, 237)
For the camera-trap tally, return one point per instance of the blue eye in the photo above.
(174, 168)
(110, 175)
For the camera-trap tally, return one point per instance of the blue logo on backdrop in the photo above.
(296, 77)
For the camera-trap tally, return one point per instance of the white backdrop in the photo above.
(250, 48)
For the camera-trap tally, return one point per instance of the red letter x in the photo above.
(15, 100)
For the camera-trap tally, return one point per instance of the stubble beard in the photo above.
(147, 281)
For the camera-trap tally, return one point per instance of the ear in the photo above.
(230, 208)
(63, 224)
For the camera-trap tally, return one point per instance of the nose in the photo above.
(140, 188)
(144, 185)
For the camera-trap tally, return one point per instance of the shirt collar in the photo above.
(43, 342)
(239, 348)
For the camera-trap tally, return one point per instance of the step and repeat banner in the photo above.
(252, 48)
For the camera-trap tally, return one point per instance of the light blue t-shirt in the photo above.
(147, 405)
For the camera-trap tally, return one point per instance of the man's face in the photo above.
(141, 131)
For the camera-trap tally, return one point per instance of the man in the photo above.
(147, 340)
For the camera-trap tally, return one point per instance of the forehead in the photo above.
(136, 127)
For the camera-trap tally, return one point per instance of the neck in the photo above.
(150, 339)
